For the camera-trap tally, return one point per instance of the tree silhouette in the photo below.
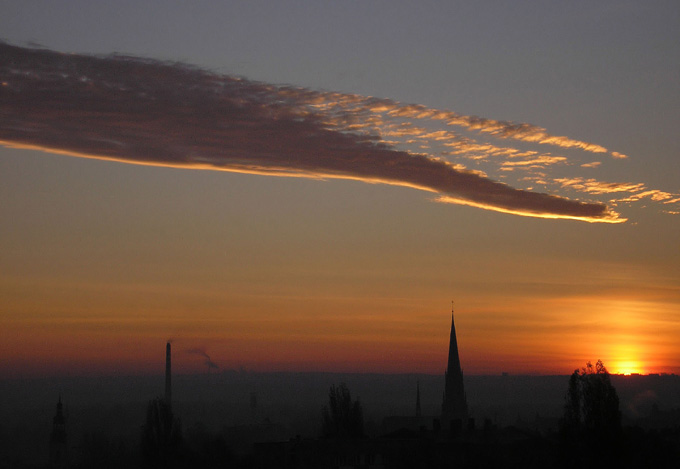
(592, 404)
(161, 435)
(342, 417)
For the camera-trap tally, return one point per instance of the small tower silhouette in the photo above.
(168, 376)
(454, 405)
(58, 445)
(253, 405)
(418, 412)
(162, 432)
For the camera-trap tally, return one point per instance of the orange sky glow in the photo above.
(285, 197)
(97, 331)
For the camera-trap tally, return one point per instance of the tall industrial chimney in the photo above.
(168, 375)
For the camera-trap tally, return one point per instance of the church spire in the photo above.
(454, 360)
(454, 405)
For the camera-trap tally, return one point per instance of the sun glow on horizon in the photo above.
(627, 360)
(627, 368)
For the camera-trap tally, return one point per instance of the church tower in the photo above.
(454, 406)
(58, 446)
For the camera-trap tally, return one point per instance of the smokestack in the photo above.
(168, 375)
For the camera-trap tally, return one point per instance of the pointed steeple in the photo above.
(59, 420)
(454, 360)
(454, 405)
(58, 441)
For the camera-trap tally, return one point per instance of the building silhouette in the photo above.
(417, 422)
(168, 375)
(58, 440)
(418, 410)
(454, 405)
(454, 417)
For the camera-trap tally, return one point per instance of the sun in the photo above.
(627, 360)
(628, 367)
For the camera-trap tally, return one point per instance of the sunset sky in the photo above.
(306, 186)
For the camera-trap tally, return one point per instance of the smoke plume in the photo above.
(207, 361)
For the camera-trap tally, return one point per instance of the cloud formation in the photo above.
(144, 111)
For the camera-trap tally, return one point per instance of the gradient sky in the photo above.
(394, 206)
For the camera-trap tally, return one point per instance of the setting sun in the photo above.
(627, 368)
(626, 360)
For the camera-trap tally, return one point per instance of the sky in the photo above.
(307, 186)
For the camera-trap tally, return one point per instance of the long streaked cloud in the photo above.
(169, 114)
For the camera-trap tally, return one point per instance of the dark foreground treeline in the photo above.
(253, 420)
(486, 447)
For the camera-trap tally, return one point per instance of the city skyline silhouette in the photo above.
(98, 424)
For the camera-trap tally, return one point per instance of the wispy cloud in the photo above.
(653, 194)
(594, 186)
(538, 162)
(169, 114)
(500, 129)
(636, 191)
